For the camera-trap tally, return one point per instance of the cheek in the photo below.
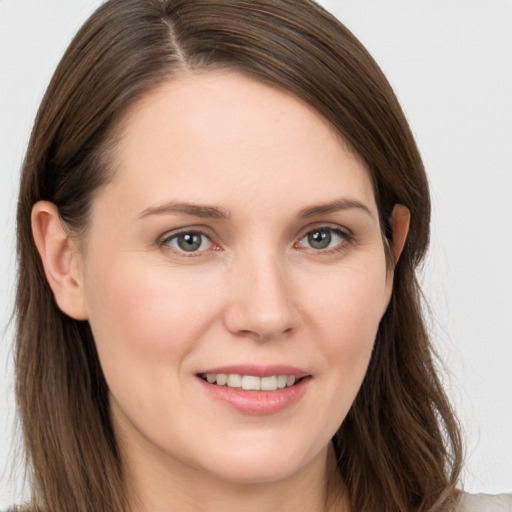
(353, 303)
(348, 317)
(144, 317)
(146, 320)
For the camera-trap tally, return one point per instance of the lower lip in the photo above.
(258, 403)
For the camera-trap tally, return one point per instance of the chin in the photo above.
(264, 466)
(252, 473)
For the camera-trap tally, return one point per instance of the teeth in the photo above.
(221, 379)
(269, 383)
(235, 381)
(251, 382)
(281, 381)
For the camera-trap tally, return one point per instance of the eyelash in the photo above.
(344, 236)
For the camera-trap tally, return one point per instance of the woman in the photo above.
(228, 209)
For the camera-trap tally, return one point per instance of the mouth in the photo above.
(256, 390)
(251, 382)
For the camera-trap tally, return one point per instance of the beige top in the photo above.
(485, 503)
(478, 503)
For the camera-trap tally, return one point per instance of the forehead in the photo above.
(205, 134)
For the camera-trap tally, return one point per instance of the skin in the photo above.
(256, 291)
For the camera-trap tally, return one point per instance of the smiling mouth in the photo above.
(251, 382)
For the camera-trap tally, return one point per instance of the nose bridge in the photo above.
(263, 302)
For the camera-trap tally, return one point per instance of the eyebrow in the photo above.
(333, 206)
(195, 210)
(214, 212)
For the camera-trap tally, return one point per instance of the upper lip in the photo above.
(258, 370)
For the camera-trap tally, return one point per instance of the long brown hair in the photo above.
(399, 448)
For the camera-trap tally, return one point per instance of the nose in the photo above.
(262, 300)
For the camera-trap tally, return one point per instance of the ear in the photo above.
(400, 220)
(61, 259)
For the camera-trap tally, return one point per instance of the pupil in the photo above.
(189, 242)
(319, 239)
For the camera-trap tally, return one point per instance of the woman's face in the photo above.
(238, 240)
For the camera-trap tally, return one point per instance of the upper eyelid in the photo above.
(323, 226)
(179, 231)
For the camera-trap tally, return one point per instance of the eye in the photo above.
(324, 238)
(188, 241)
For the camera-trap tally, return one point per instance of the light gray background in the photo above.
(450, 62)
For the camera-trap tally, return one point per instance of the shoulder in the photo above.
(485, 503)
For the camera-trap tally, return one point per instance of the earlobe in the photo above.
(400, 220)
(61, 259)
